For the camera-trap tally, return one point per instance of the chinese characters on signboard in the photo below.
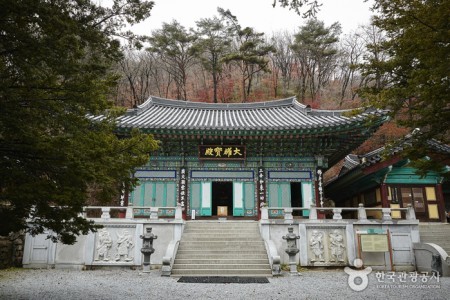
(320, 186)
(261, 187)
(222, 152)
(183, 187)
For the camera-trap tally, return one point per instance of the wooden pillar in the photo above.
(384, 195)
(440, 202)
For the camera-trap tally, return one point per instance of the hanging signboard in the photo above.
(221, 152)
(261, 186)
(183, 190)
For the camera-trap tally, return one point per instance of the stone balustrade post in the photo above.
(362, 215)
(313, 212)
(386, 214)
(264, 213)
(83, 213)
(337, 214)
(129, 213)
(154, 213)
(288, 213)
(178, 212)
(105, 213)
(410, 213)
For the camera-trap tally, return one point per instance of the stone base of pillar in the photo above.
(146, 269)
(292, 266)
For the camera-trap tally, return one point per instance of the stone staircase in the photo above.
(221, 248)
(438, 233)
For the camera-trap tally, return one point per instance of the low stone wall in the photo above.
(11, 250)
(383, 244)
(117, 244)
(328, 243)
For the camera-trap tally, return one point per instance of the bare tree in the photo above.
(283, 59)
(351, 52)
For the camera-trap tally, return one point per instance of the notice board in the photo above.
(374, 243)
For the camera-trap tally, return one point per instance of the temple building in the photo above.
(228, 160)
(391, 183)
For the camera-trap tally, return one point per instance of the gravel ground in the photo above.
(133, 284)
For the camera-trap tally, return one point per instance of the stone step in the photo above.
(225, 242)
(243, 232)
(237, 250)
(222, 257)
(221, 249)
(438, 234)
(439, 242)
(220, 266)
(248, 224)
(433, 240)
(230, 253)
(221, 229)
(220, 261)
(217, 238)
(223, 272)
(245, 251)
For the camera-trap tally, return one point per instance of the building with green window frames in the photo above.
(230, 159)
(392, 183)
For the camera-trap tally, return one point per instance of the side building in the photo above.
(391, 183)
(228, 160)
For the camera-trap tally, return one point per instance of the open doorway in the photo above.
(222, 195)
(296, 197)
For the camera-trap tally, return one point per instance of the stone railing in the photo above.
(131, 212)
(336, 240)
(386, 213)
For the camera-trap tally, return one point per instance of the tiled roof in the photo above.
(352, 161)
(278, 115)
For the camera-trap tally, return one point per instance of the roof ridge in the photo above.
(206, 105)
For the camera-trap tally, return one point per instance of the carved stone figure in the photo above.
(124, 243)
(316, 246)
(103, 245)
(337, 246)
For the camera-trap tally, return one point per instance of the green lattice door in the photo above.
(201, 198)
(243, 199)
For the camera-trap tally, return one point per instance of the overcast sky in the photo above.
(255, 13)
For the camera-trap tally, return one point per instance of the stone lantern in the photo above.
(292, 249)
(147, 248)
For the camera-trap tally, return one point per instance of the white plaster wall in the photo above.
(71, 254)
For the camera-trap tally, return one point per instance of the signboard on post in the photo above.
(375, 240)
(374, 243)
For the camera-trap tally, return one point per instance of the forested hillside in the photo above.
(220, 61)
